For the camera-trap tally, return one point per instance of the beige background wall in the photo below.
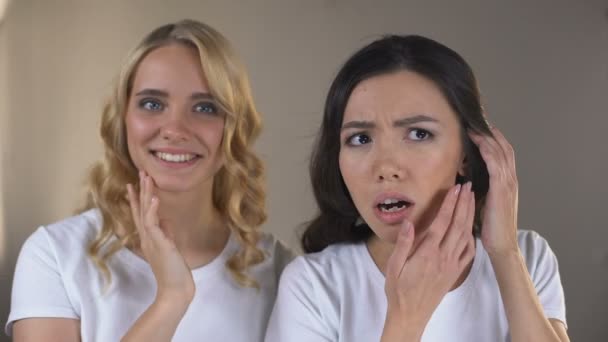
(542, 66)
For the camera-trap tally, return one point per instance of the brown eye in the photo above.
(419, 134)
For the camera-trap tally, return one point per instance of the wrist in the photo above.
(397, 327)
(505, 253)
(173, 301)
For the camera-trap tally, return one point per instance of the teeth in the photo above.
(390, 201)
(175, 158)
(393, 208)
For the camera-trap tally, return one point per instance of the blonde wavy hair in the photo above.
(238, 189)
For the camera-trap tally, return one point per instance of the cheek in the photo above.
(439, 166)
(353, 170)
(136, 128)
(131, 131)
(212, 134)
(215, 132)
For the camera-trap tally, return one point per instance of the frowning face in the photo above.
(401, 151)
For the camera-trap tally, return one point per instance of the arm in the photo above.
(527, 321)
(46, 329)
(175, 286)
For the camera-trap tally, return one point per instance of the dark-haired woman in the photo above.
(417, 235)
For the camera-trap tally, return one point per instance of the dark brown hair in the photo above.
(337, 218)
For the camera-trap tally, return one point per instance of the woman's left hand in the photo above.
(499, 217)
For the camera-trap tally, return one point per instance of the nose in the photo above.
(388, 167)
(389, 173)
(175, 129)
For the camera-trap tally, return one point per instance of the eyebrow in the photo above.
(397, 123)
(162, 93)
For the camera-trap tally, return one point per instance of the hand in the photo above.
(418, 278)
(499, 217)
(173, 276)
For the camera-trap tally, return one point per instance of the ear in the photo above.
(462, 168)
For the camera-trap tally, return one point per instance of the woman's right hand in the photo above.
(173, 276)
(419, 275)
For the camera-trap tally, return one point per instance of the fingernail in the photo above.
(469, 186)
(457, 190)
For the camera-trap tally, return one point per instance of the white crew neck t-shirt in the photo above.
(54, 277)
(338, 295)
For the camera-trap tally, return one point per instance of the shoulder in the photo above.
(74, 230)
(531, 243)
(69, 235)
(537, 253)
(329, 265)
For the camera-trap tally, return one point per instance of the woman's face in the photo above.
(400, 151)
(174, 127)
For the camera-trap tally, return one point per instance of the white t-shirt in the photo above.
(338, 295)
(54, 277)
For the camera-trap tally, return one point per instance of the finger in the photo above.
(459, 220)
(134, 205)
(471, 216)
(467, 233)
(491, 154)
(490, 141)
(142, 206)
(441, 222)
(467, 254)
(397, 260)
(506, 147)
(151, 220)
(504, 144)
(145, 194)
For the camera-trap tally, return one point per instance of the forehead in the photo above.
(174, 66)
(396, 95)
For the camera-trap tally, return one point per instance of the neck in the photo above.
(380, 251)
(192, 221)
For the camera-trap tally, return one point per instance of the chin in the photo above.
(172, 183)
(386, 233)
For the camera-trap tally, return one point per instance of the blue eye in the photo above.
(419, 134)
(206, 107)
(151, 105)
(358, 139)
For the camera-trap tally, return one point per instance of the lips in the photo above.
(174, 158)
(392, 208)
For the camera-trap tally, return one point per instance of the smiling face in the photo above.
(400, 151)
(174, 127)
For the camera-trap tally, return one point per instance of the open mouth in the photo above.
(391, 205)
(175, 157)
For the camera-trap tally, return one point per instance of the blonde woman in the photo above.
(169, 245)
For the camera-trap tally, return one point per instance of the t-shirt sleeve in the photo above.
(296, 316)
(38, 288)
(544, 271)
